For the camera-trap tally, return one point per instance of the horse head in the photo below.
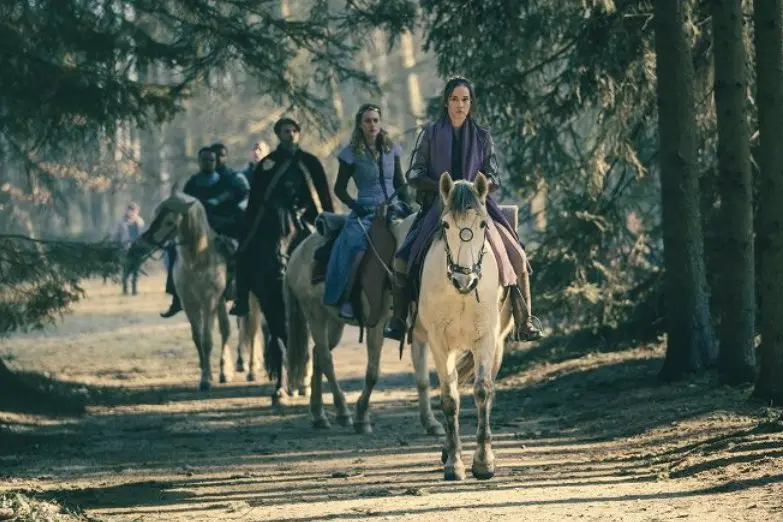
(169, 217)
(463, 227)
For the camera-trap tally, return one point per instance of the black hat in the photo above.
(283, 121)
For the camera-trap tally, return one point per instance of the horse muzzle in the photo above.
(464, 281)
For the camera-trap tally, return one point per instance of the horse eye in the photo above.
(445, 225)
(483, 224)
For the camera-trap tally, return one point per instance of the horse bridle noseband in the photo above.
(452, 267)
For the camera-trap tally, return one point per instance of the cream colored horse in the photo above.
(462, 308)
(199, 275)
(306, 314)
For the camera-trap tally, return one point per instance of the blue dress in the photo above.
(372, 191)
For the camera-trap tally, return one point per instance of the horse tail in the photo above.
(465, 369)
(298, 335)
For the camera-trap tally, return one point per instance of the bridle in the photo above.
(452, 267)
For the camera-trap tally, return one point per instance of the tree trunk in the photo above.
(690, 338)
(769, 70)
(736, 295)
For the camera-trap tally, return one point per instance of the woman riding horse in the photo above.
(458, 145)
(373, 162)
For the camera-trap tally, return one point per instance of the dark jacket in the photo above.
(286, 199)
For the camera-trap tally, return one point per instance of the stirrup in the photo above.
(530, 330)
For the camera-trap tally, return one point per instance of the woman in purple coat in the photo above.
(457, 144)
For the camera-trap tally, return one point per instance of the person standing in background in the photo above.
(127, 230)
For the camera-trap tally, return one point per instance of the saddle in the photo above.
(370, 272)
(328, 225)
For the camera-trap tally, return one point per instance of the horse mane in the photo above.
(463, 198)
(195, 228)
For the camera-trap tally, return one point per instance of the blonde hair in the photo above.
(358, 144)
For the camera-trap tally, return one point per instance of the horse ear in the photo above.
(481, 186)
(446, 184)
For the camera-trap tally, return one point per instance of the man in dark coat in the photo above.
(223, 196)
(289, 190)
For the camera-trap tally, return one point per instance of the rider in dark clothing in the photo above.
(223, 196)
(289, 190)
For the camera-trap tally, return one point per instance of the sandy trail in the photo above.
(588, 437)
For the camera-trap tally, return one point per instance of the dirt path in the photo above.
(578, 435)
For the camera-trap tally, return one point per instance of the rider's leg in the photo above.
(176, 305)
(398, 324)
(241, 305)
(525, 328)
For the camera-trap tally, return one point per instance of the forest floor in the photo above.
(579, 433)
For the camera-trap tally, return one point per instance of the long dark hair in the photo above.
(453, 83)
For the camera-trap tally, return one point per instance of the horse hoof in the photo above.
(363, 428)
(305, 392)
(279, 400)
(483, 474)
(346, 421)
(204, 386)
(454, 473)
(251, 377)
(444, 456)
(240, 367)
(321, 424)
(436, 430)
(224, 379)
(294, 394)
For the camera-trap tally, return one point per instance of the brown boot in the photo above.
(525, 328)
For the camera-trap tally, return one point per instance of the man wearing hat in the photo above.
(288, 191)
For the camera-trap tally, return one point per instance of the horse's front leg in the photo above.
(242, 324)
(224, 325)
(453, 468)
(254, 338)
(419, 358)
(484, 391)
(323, 359)
(374, 349)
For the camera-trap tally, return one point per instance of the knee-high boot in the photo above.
(176, 305)
(524, 327)
(398, 324)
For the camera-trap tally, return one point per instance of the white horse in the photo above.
(463, 308)
(307, 313)
(199, 275)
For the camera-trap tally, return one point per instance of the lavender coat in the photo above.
(432, 157)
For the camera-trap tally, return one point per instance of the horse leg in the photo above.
(224, 325)
(254, 335)
(483, 391)
(305, 386)
(323, 355)
(208, 320)
(419, 358)
(242, 324)
(453, 468)
(197, 332)
(374, 348)
(320, 420)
